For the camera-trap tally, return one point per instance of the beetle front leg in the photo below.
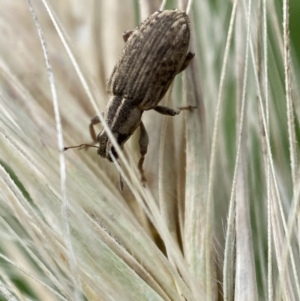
(143, 143)
(95, 120)
(186, 62)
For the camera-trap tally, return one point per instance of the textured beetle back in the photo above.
(151, 58)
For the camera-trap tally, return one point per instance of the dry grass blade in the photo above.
(166, 183)
(62, 162)
(6, 293)
(288, 92)
(245, 283)
(288, 291)
(195, 223)
(215, 132)
(267, 169)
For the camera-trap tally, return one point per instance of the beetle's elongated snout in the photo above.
(105, 146)
(123, 118)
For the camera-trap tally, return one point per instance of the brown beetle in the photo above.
(154, 53)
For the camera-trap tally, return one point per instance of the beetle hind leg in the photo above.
(171, 112)
(166, 111)
(187, 108)
(143, 143)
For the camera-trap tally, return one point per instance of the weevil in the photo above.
(154, 53)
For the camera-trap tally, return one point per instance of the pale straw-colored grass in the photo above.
(219, 216)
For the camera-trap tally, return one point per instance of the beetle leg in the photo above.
(95, 120)
(143, 142)
(166, 111)
(127, 34)
(172, 112)
(187, 108)
(186, 62)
